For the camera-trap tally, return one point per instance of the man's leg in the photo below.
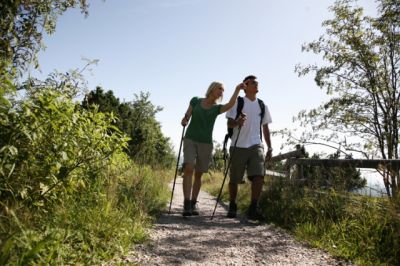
(256, 170)
(256, 188)
(236, 171)
(233, 189)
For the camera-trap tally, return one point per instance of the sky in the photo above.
(174, 49)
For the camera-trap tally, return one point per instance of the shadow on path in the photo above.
(198, 240)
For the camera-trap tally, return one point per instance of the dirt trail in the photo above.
(200, 241)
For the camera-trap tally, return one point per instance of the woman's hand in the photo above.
(185, 121)
(241, 86)
(232, 101)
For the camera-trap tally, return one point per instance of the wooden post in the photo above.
(298, 153)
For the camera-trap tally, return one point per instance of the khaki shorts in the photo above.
(197, 154)
(250, 159)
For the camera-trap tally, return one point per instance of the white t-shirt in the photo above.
(250, 132)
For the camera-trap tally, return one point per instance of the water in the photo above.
(375, 186)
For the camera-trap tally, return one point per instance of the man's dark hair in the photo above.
(251, 77)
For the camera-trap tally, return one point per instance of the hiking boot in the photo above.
(187, 211)
(253, 213)
(194, 208)
(232, 210)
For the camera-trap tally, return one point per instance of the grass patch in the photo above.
(357, 228)
(212, 183)
(93, 225)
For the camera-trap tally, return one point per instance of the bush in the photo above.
(51, 146)
(361, 229)
(93, 224)
(68, 193)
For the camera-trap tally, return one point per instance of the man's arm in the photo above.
(267, 138)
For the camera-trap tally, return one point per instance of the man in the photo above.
(248, 154)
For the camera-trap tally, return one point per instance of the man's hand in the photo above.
(268, 156)
(241, 120)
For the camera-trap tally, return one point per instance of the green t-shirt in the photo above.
(202, 122)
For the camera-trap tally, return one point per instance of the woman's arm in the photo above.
(186, 118)
(232, 101)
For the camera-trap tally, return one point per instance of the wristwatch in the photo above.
(269, 149)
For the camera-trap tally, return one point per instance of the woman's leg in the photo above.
(187, 180)
(196, 185)
(187, 188)
(195, 192)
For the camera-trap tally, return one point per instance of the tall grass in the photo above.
(101, 220)
(357, 228)
(212, 183)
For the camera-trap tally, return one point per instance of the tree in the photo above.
(362, 56)
(48, 143)
(342, 178)
(22, 25)
(137, 120)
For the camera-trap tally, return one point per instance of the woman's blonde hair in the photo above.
(214, 85)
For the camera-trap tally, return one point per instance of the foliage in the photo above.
(66, 186)
(91, 225)
(71, 83)
(22, 25)
(345, 178)
(362, 229)
(68, 194)
(50, 145)
(362, 56)
(137, 120)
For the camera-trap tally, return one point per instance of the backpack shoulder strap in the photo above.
(240, 104)
(262, 107)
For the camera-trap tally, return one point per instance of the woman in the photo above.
(198, 146)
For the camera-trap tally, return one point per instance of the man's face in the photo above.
(252, 86)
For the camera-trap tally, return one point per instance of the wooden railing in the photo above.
(296, 154)
(295, 158)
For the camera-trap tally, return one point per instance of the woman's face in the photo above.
(218, 92)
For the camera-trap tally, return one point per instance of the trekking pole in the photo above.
(226, 173)
(224, 150)
(176, 170)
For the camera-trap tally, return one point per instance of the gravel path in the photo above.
(198, 240)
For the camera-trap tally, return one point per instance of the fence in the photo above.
(295, 159)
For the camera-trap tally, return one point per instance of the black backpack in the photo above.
(239, 112)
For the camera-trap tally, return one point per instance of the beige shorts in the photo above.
(250, 159)
(197, 154)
